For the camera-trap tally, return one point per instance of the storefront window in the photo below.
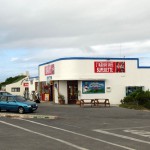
(91, 87)
(131, 89)
(15, 89)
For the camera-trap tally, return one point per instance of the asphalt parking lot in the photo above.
(72, 127)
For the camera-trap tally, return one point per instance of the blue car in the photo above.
(16, 104)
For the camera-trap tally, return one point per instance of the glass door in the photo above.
(72, 87)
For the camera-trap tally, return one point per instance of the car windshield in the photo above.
(20, 99)
(4, 93)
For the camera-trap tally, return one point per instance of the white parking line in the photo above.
(139, 132)
(47, 136)
(126, 128)
(79, 134)
(121, 136)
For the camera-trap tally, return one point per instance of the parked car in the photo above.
(17, 104)
(4, 93)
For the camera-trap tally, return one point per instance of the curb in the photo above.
(15, 116)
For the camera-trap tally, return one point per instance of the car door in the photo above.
(11, 104)
(3, 102)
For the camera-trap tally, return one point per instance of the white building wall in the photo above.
(32, 82)
(63, 89)
(82, 69)
(60, 87)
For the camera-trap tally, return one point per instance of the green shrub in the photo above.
(147, 105)
(137, 99)
(128, 99)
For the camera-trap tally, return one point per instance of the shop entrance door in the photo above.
(51, 92)
(72, 88)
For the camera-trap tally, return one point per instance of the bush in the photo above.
(137, 98)
(147, 105)
(129, 99)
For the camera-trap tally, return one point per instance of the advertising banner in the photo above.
(91, 87)
(109, 67)
(25, 84)
(49, 70)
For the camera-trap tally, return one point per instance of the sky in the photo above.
(33, 32)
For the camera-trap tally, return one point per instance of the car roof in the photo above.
(4, 92)
(13, 96)
(9, 95)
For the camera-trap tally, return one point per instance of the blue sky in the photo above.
(35, 31)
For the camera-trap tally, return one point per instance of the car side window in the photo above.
(3, 98)
(10, 99)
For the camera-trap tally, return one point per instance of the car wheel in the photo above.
(21, 110)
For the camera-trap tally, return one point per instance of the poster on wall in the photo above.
(93, 87)
(109, 67)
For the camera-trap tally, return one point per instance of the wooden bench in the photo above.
(104, 101)
(87, 101)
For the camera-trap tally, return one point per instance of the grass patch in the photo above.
(132, 106)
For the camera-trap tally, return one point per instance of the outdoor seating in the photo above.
(102, 101)
(87, 101)
(95, 102)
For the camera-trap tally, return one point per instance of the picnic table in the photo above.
(95, 102)
(87, 101)
(104, 101)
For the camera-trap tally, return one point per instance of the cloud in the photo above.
(36, 31)
(138, 49)
(69, 23)
(129, 49)
(14, 59)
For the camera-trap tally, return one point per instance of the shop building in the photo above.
(90, 78)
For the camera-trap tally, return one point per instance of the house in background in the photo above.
(20, 87)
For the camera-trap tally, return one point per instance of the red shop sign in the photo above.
(49, 70)
(109, 67)
(26, 84)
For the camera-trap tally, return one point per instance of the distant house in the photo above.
(20, 87)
